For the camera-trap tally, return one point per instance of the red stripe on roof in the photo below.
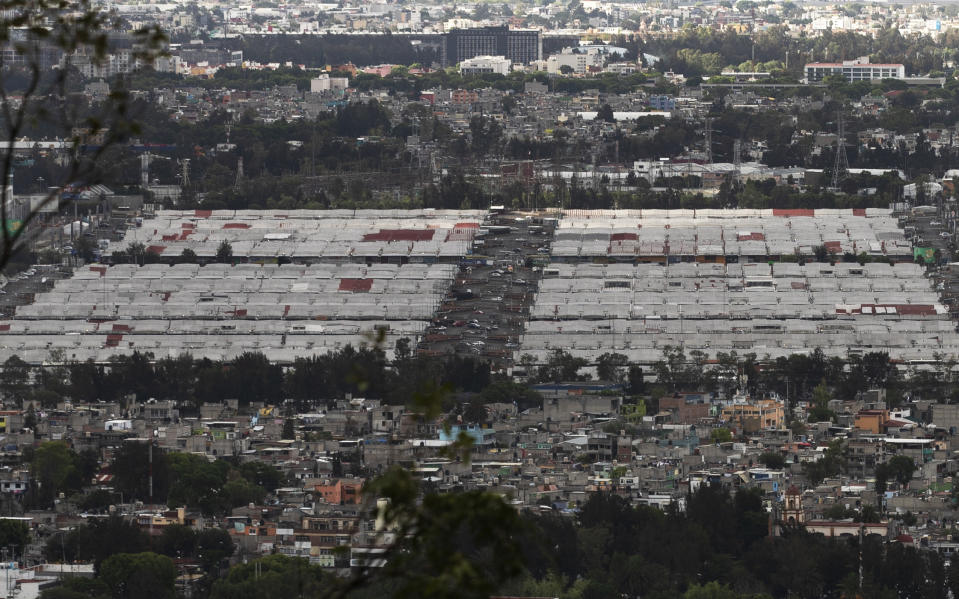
(791, 212)
(356, 285)
(916, 309)
(400, 235)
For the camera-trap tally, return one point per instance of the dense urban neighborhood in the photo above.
(574, 299)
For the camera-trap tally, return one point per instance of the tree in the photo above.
(13, 378)
(822, 253)
(213, 546)
(772, 460)
(97, 502)
(605, 113)
(882, 482)
(609, 367)
(187, 256)
(238, 491)
(504, 390)
(464, 543)
(565, 69)
(901, 468)
(679, 372)
(198, 483)
(829, 465)
(720, 435)
(820, 401)
(177, 541)
(261, 474)
(224, 253)
(54, 470)
(636, 380)
(710, 590)
(14, 533)
(561, 366)
(72, 30)
(289, 432)
(272, 577)
(868, 514)
(131, 472)
(95, 541)
(144, 575)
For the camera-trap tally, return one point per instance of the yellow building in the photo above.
(872, 420)
(755, 415)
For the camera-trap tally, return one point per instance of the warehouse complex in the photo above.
(220, 311)
(311, 235)
(631, 282)
(303, 283)
(635, 282)
(726, 235)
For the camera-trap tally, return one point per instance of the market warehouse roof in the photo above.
(628, 234)
(753, 305)
(310, 234)
(220, 311)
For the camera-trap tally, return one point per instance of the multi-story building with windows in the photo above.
(479, 65)
(521, 46)
(859, 69)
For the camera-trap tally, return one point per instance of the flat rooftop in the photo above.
(416, 235)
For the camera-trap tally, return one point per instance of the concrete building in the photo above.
(580, 61)
(521, 46)
(325, 83)
(480, 65)
(859, 69)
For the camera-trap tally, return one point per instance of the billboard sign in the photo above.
(928, 255)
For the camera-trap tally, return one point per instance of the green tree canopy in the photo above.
(144, 575)
(272, 577)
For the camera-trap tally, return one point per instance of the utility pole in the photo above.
(150, 454)
(709, 141)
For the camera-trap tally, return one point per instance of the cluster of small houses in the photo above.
(549, 458)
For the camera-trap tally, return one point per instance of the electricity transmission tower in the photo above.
(840, 167)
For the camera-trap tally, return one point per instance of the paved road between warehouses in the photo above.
(485, 312)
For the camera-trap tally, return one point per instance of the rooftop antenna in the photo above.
(840, 167)
(186, 172)
(738, 155)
